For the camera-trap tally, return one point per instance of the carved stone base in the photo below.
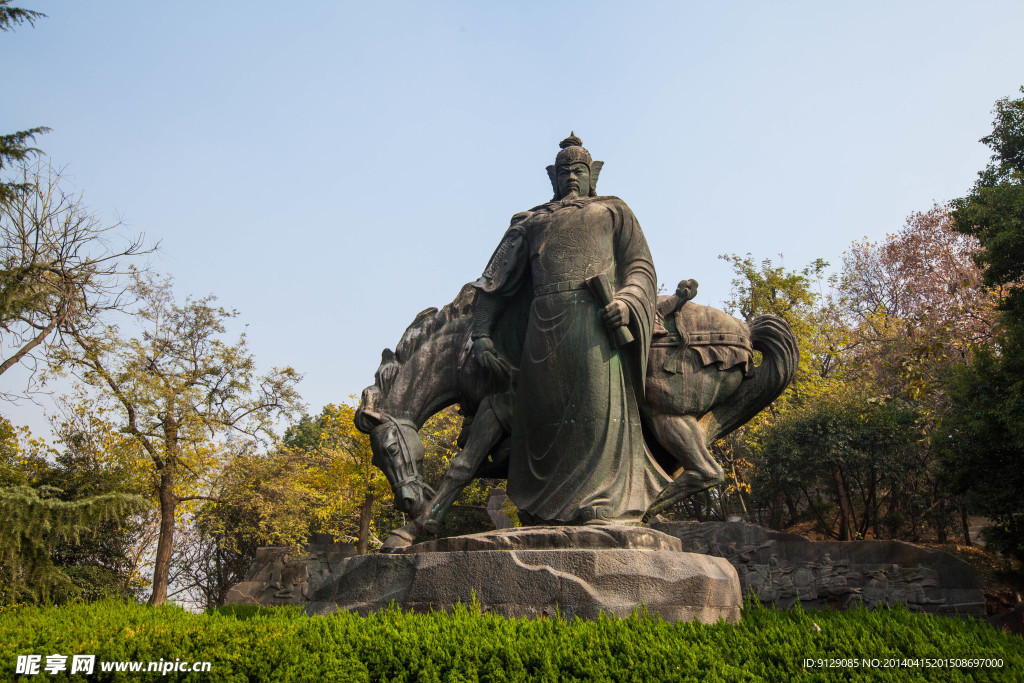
(527, 572)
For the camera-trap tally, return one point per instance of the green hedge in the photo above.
(280, 644)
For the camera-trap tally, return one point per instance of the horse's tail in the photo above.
(772, 336)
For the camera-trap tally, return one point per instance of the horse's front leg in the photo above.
(485, 433)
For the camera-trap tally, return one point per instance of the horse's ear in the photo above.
(366, 418)
(386, 356)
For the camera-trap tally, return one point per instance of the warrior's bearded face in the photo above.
(573, 179)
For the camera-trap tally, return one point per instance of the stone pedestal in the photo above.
(530, 572)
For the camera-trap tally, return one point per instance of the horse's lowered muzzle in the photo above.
(412, 498)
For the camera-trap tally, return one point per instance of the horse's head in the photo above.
(408, 384)
(397, 452)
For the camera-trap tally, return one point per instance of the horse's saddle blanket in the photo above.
(714, 335)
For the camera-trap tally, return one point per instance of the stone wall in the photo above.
(278, 577)
(783, 569)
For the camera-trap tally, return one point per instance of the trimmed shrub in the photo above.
(280, 644)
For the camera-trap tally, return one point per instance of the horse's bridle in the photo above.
(398, 423)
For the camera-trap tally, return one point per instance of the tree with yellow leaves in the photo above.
(181, 392)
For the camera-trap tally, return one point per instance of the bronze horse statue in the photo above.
(701, 384)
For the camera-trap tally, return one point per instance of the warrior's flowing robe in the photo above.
(577, 449)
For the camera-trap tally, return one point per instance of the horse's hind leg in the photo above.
(485, 433)
(681, 436)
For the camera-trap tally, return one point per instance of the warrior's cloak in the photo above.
(577, 447)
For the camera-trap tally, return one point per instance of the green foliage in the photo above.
(876, 343)
(319, 479)
(983, 446)
(92, 460)
(759, 288)
(36, 521)
(178, 391)
(12, 16)
(994, 209)
(466, 645)
(856, 466)
(54, 561)
(798, 297)
(351, 497)
(15, 146)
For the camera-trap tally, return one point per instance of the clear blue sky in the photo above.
(330, 169)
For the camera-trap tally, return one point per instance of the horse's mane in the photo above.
(422, 329)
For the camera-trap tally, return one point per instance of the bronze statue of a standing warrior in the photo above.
(596, 398)
(577, 448)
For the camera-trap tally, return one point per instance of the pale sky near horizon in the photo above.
(329, 169)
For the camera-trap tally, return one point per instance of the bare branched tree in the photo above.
(60, 267)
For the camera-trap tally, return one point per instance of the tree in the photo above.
(58, 265)
(983, 447)
(36, 519)
(55, 529)
(924, 273)
(874, 348)
(917, 304)
(853, 465)
(356, 492)
(15, 146)
(180, 391)
(796, 296)
(12, 16)
(260, 499)
(993, 211)
(92, 458)
(58, 269)
(761, 287)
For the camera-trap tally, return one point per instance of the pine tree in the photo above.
(15, 146)
(34, 521)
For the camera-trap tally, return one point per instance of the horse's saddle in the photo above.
(714, 335)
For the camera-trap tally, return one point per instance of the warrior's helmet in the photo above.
(573, 152)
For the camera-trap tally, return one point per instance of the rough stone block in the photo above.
(527, 583)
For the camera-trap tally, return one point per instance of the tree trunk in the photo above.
(846, 520)
(895, 526)
(364, 524)
(794, 510)
(165, 542)
(775, 511)
(872, 510)
(966, 524)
